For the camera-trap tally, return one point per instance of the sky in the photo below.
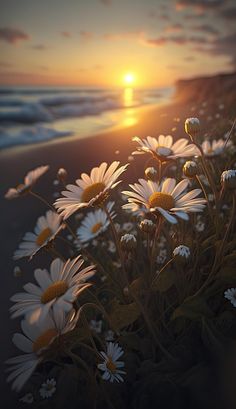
(97, 42)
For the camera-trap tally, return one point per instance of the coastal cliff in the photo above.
(218, 88)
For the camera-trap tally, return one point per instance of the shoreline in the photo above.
(139, 112)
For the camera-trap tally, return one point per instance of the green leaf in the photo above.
(164, 281)
(123, 315)
(193, 308)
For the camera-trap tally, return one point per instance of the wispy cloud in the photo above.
(86, 35)
(106, 2)
(224, 46)
(126, 35)
(207, 28)
(173, 28)
(66, 34)
(39, 47)
(4, 64)
(199, 4)
(229, 14)
(13, 35)
(178, 40)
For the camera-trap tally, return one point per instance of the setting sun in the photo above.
(129, 78)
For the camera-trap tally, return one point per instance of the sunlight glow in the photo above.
(129, 78)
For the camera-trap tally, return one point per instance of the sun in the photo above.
(129, 78)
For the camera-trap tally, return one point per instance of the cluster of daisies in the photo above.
(48, 305)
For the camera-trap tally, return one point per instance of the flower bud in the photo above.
(128, 242)
(182, 253)
(228, 179)
(62, 175)
(17, 271)
(151, 174)
(190, 169)
(147, 226)
(192, 126)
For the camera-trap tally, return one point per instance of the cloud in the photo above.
(205, 28)
(155, 14)
(86, 35)
(229, 14)
(106, 2)
(66, 34)
(189, 58)
(39, 47)
(4, 64)
(173, 28)
(224, 46)
(13, 35)
(199, 4)
(126, 35)
(178, 40)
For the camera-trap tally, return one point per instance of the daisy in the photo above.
(213, 149)
(57, 289)
(90, 190)
(29, 180)
(34, 340)
(111, 366)
(45, 231)
(230, 294)
(48, 388)
(94, 224)
(167, 198)
(164, 149)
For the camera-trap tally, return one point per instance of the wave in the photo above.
(29, 113)
(31, 135)
(50, 109)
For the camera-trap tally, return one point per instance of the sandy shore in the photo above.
(76, 155)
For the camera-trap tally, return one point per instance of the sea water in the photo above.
(36, 114)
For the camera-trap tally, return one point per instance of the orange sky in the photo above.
(97, 42)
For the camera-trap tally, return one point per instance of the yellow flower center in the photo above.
(44, 339)
(57, 289)
(43, 236)
(110, 365)
(96, 227)
(163, 200)
(92, 191)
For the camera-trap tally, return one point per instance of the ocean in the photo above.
(35, 114)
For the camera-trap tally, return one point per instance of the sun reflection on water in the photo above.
(130, 117)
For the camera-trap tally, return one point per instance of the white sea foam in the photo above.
(29, 136)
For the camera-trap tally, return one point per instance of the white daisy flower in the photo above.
(94, 223)
(182, 251)
(90, 190)
(111, 366)
(230, 294)
(45, 231)
(29, 180)
(167, 198)
(34, 340)
(48, 388)
(214, 148)
(164, 149)
(57, 289)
